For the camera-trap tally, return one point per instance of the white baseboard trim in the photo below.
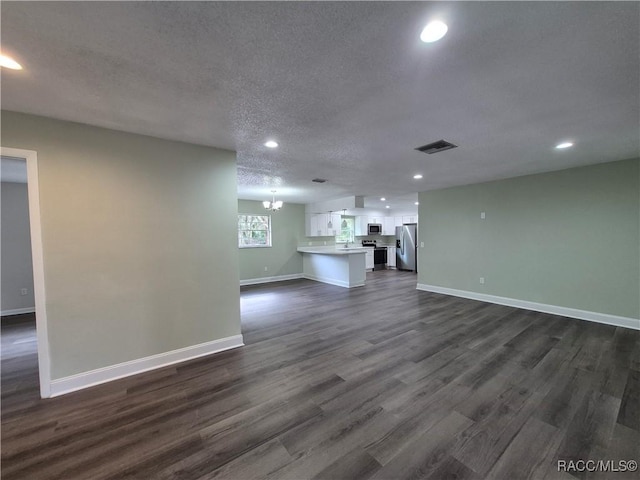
(626, 322)
(17, 311)
(277, 278)
(83, 380)
(332, 281)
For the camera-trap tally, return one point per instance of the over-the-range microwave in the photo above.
(374, 229)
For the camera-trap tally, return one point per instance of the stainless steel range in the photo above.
(379, 254)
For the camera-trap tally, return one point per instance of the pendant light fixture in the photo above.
(344, 220)
(272, 205)
(330, 223)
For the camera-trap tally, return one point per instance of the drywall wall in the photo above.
(282, 258)
(139, 242)
(568, 238)
(17, 269)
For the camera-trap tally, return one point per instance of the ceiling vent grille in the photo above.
(435, 147)
(318, 180)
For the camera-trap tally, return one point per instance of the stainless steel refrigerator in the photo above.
(407, 247)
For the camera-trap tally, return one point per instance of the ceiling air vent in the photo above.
(318, 180)
(435, 147)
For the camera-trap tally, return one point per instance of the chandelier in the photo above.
(272, 205)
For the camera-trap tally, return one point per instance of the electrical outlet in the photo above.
(310, 243)
(421, 244)
(23, 291)
(266, 269)
(482, 215)
(482, 280)
(325, 242)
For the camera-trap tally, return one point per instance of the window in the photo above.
(254, 231)
(347, 230)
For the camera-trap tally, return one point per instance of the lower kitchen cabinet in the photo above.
(391, 257)
(368, 259)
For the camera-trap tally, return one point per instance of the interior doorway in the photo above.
(17, 269)
(19, 333)
(17, 302)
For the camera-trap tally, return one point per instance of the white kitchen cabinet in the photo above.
(375, 220)
(336, 220)
(391, 257)
(317, 225)
(397, 221)
(410, 219)
(361, 225)
(308, 231)
(368, 259)
(389, 226)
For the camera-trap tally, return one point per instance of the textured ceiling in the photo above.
(346, 88)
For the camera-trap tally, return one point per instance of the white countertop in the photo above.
(333, 250)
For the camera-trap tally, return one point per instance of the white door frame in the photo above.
(33, 188)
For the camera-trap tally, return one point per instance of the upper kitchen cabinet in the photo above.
(361, 225)
(322, 224)
(336, 221)
(399, 221)
(389, 226)
(316, 225)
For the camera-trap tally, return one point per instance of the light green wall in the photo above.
(287, 231)
(568, 238)
(139, 242)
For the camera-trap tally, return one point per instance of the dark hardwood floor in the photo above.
(380, 382)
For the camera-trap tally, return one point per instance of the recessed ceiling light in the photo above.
(271, 144)
(387, 206)
(9, 62)
(382, 199)
(562, 145)
(417, 203)
(417, 176)
(433, 32)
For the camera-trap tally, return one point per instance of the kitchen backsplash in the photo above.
(322, 241)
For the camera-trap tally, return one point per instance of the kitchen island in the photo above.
(344, 267)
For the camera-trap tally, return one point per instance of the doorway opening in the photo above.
(17, 302)
(25, 344)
